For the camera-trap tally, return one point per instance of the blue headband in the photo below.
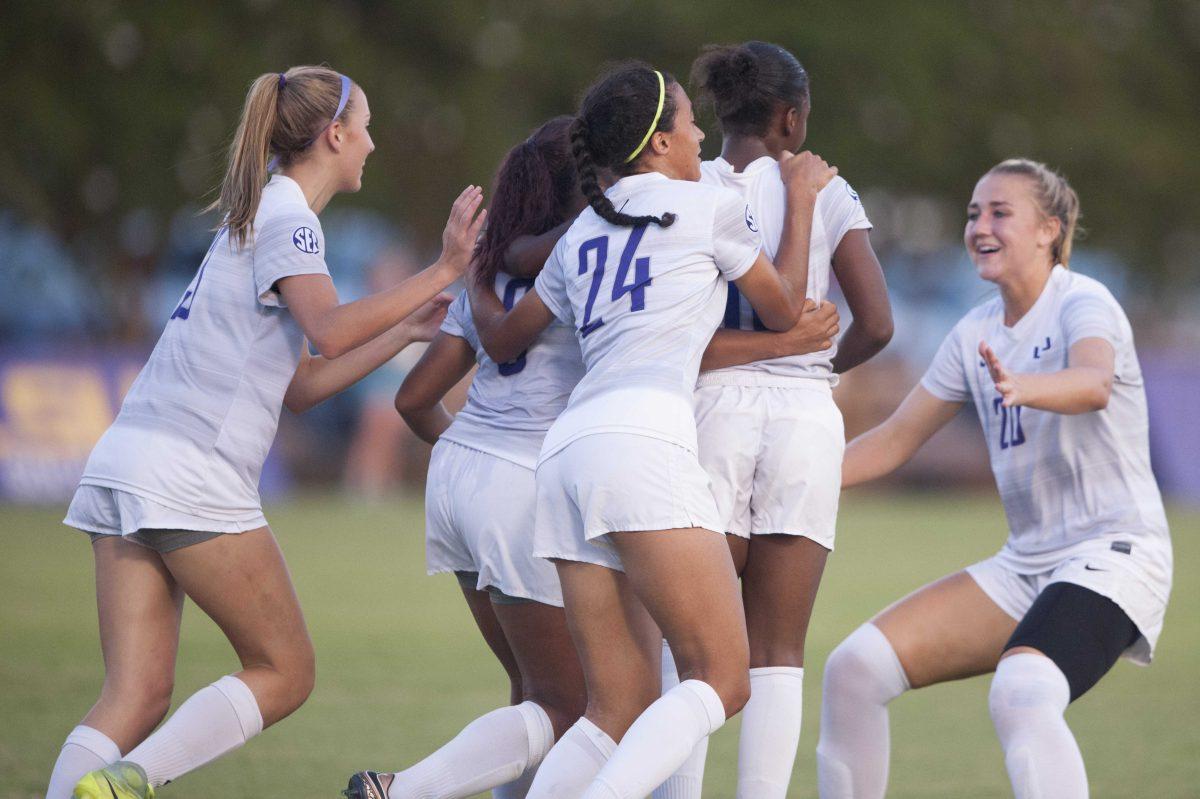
(345, 98)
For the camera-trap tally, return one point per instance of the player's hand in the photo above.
(805, 172)
(1008, 384)
(462, 229)
(815, 331)
(424, 323)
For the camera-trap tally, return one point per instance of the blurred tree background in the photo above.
(118, 113)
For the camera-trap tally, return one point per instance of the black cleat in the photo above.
(365, 785)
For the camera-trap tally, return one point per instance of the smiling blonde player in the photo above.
(1085, 574)
(170, 492)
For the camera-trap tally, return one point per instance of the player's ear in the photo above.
(1048, 231)
(790, 121)
(660, 143)
(335, 136)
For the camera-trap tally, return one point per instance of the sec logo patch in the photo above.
(305, 240)
(750, 221)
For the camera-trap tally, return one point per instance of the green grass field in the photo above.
(401, 667)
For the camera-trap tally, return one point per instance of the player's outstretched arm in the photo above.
(882, 449)
(506, 334)
(813, 333)
(419, 400)
(526, 255)
(803, 176)
(861, 279)
(1084, 386)
(335, 329)
(318, 378)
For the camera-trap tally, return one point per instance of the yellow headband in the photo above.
(662, 95)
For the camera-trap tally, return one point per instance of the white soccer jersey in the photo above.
(510, 406)
(196, 426)
(838, 211)
(1065, 480)
(644, 302)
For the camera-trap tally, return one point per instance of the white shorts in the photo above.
(110, 511)
(479, 512)
(616, 482)
(774, 456)
(1108, 573)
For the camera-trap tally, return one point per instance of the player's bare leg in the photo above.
(947, 630)
(779, 587)
(686, 580)
(619, 647)
(480, 604)
(139, 607)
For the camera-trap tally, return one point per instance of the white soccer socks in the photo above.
(862, 675)
(688, 780)
(1027, 699)
(493, 750)
(573, 763)
(212, 722)
(770, 732)
(769, 737)
(659, 741)
(85, 750)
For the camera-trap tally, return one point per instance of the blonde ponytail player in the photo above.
(170, 492)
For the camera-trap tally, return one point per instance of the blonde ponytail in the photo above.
(1055, 198)
(283, 114)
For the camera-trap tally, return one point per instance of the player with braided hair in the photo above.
(624, 508)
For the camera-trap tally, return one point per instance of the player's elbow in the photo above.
(407, 402)
(879, 331)
(501, 351)
(329, 345)
(297, 401)
(1099, 395)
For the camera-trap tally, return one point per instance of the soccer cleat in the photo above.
(365, 785)
(121, 780)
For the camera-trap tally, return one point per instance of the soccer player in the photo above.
(623, 506)
(170, 493)
(1084, 577)
(480, 496)
(771, 437)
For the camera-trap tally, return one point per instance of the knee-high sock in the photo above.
(212, 722)
(492, 750)
(659, 741)
(688, 780)
(1027, 699)
(573, 762)
(862, 675)
(770, 732)
(518, 788)
(85, 750)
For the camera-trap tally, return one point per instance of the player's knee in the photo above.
(864, 666)
(147, 697)
(734, 691)
(777, 653)
(1025, 688)
(298, 675)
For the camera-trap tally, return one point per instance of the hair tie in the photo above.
(662, 96)
(282, 80)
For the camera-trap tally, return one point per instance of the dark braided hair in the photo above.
(532, 193)
(746, 83)
(613, 119)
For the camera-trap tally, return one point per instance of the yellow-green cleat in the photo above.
(121, 780)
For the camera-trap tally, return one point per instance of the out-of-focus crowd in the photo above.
(69, 348)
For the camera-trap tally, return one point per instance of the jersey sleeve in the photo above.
(1091, 315)
(457, 315)
(551, 285)
(285, 245)
(946, 377)
(736, 238)
(841, 210)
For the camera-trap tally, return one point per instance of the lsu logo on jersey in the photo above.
(305, 240)
(750, 221)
